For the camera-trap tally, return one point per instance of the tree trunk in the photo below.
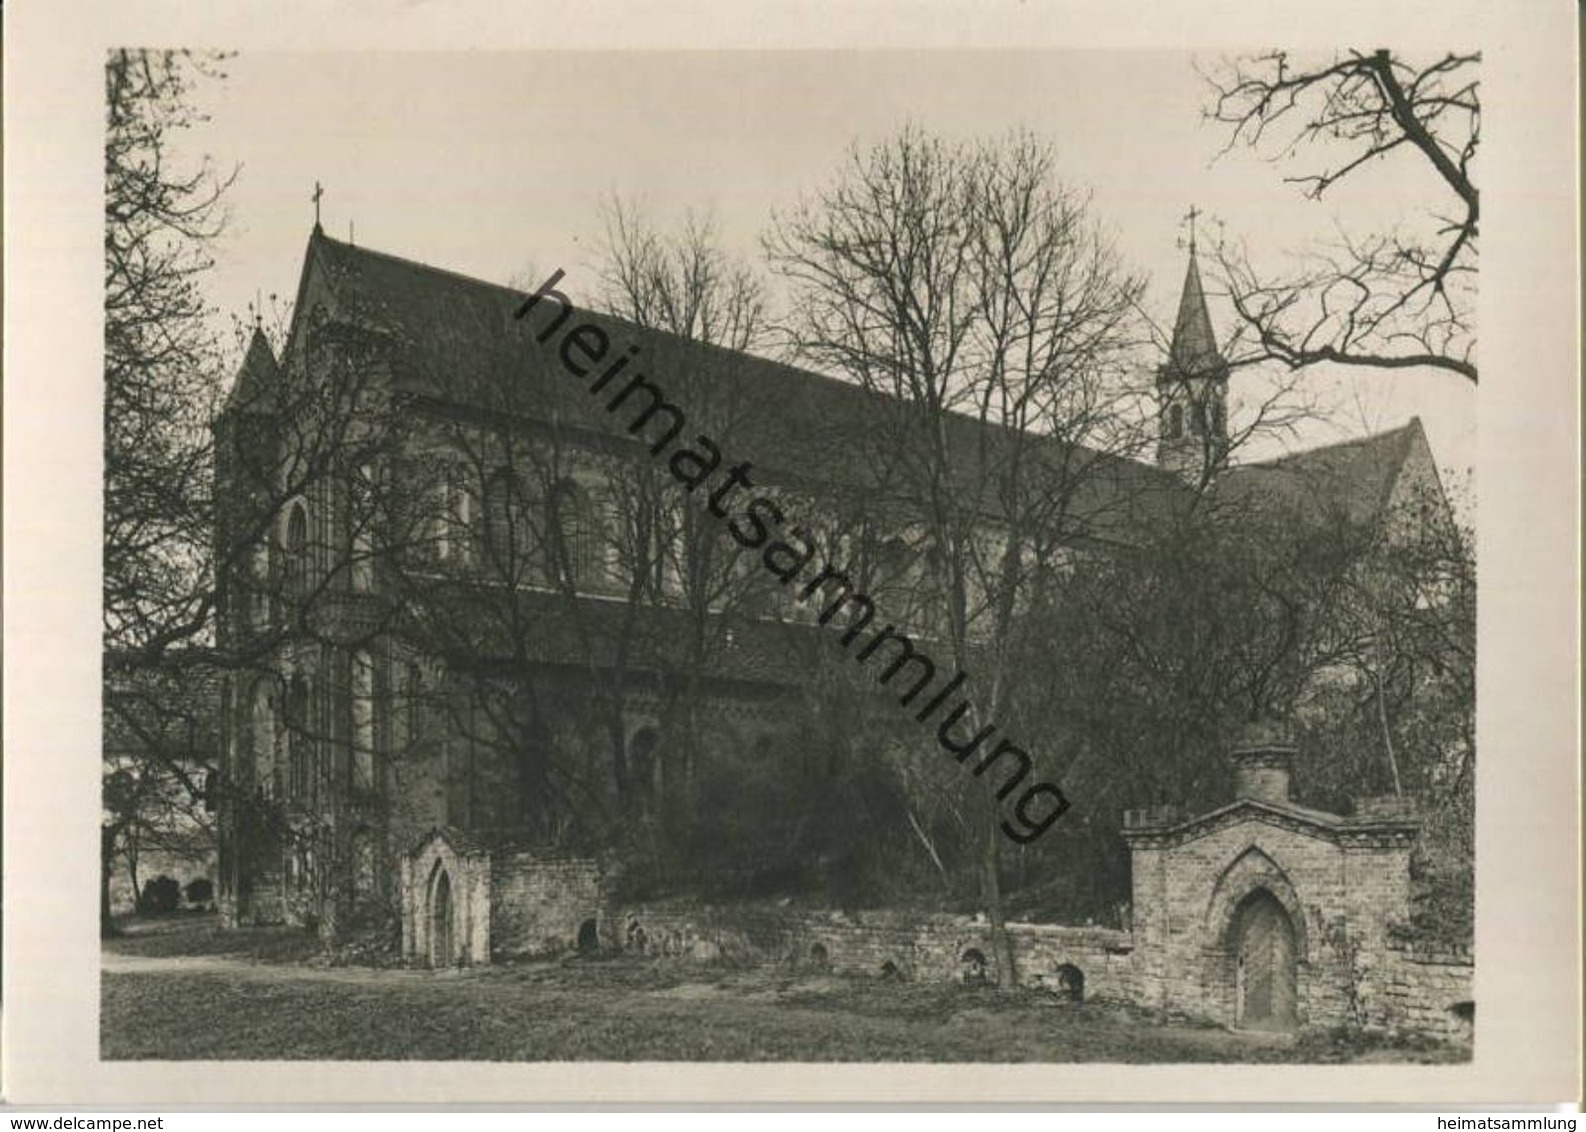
(132, 871)
(107, 862)
(991, 896)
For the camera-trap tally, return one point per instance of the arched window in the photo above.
(893, 560)
(361, 519)
(266, 774)
(296, 547)
(1219, 420)
(671, 547)
(452, 515)
(299, 742)
(642, 750)
(1175, 421)
(1197, 418)
(609, 549)
(413, 707)
(363, 721)
(361, 851)
(508, 535)
(259, 584)
(575, 536)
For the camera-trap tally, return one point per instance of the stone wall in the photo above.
(1426, 992)
(512, 901)
(540, 902)
(882, 944)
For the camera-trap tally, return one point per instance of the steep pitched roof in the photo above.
(1194, 346)
(1285, 815)
(1353, 480)
(258, 377)
(452, 331)
(454, 334)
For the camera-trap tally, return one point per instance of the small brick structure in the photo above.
(470, 898)
(1268, 915)
(1262, 914)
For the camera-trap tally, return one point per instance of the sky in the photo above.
(495, 164)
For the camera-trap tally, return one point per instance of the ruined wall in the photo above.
(540, 901)
(513, 902)
(917, 946)
(1413, 991)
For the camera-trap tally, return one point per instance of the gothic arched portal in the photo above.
(442, 920)
(1266, 974)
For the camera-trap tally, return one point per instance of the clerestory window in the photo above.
(363, 721)
(576, 544)
(297, 550)
(1175, 421)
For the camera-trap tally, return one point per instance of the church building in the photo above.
(418, 508)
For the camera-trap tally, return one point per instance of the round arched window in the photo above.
(576, 535)
(296, 546)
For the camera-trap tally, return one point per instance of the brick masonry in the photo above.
(916, 946)
(446, 859)
(1343, 885)
(541, 902)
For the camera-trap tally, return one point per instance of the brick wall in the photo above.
(1427, 992)
(539, 902)
(1342, 896)
(918, 946)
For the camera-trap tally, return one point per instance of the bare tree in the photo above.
(534, 536)
(162, 360)
(682, 283)
(980, 299)
(162, 379)
(199, 581)
(160, 747)
(1392, 299)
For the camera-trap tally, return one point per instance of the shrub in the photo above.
(160, 896)
(200, 891)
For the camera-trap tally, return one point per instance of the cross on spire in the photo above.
(1190, 216)
(319, 191)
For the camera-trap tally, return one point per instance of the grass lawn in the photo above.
(191, 934)
(243, 1002)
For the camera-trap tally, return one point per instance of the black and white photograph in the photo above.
(954, 557)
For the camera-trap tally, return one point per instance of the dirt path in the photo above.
(114, 964)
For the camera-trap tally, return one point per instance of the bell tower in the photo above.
(1192, 389)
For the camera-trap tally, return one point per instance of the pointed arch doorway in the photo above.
(1267, 976)
(442, 921)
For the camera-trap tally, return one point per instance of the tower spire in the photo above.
(1194, 345)
(1192, 384)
